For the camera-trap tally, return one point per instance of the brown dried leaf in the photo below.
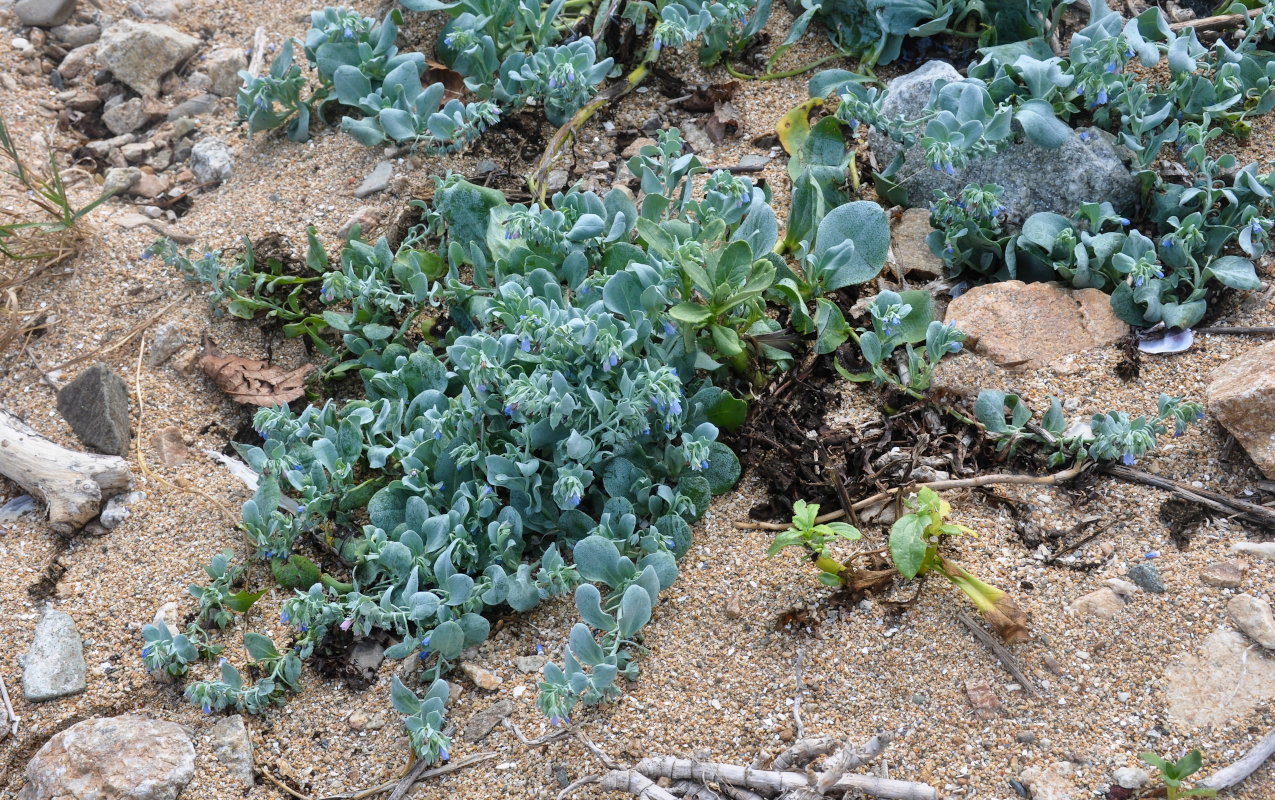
(724, 122)
(252, 382)
(797, 618)
(1008, 620)
(453, 82)
(708, 98)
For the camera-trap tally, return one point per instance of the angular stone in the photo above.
(116, 510)
(95, 404)
(194, 107)
(376, 181)
(138, 54)
(77, 35)
(128, 756)
(55, 662)
(149, 186)
(1103, 604)
(211, 161)
(120, 179)
(365, 218)
(1051, 783)
(1223, 682)
(132, 115)
(44, 13)
(1131, 777)
(530, 664)
(1253, 616)
(982, 699)
(166, 340)
(74, 63)
(1148, 577)
(1223, 574)
(223, 66)
(1242, 397)
(138, 151)
(170, 447)
(1085, 167)
(1028, 325)
(482, 723)
(907, 239)
(233, 747)
(481, 677)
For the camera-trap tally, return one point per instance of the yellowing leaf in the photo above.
(794, 127)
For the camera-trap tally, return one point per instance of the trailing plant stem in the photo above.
(788, 73)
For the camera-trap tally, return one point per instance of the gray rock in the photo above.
(139, 54)
(211, 161)
(223, 66)
(482, 723)
(194, 107)
(159, 9)
(77, 35)
(183, 126)
(1148, 577)
(96, 406)
(556, 180)
(137, 151)
(376, 181)
(366, 656)
(1034, 178)
(125, 117)
(55, 662)
(530, 664)
(198, 81)
(44, 13)
(233, 747)
(1253, 616)
(74, 63)
(1103, 604)
(121, 179)
(16, 508)
(754, 161)
(129, 756)
(116, 510)
(1131, 777)
(166, 340)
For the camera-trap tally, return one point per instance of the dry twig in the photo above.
(10, 717)
(417, 773)
(1230, 776)
(1004, 656)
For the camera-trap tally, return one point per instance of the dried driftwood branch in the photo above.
(805, 751)
(690, 790)
(626, 780)
(72, 484)
(775, 782)
(1228, 777)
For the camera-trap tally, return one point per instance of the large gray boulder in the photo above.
(139, 54)
(128, 756)
(96, 406)
(1087, 168)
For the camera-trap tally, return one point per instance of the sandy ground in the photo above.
(711, 686)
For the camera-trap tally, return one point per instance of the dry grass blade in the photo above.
(40, 229)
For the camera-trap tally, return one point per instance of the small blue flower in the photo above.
(442, 754)
(1084, 136)
(1128, 54)
(300, 509)
(953, 347)
(1257, 228)
(574, 500)
(303, 628)
(675, 408)
(509, 411)
(1102, 97)
(614, 360)
(669, 330)
(646, 431)
(526, 344)
(1128, 459)
(937, 166)
(949, 169)
(207, 707)
(437, 435)
(1111, 67)
(1166, 243)
(349, 32)
(1137, 281)
(146, 651)
(703, 464)
(540, 649)
(1124, 221)
(1159, 273)
(553, 82)
(283, 617)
